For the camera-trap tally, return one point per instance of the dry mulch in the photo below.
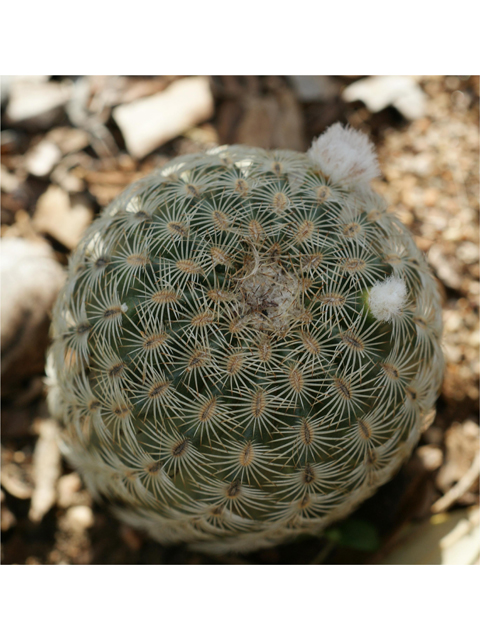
(62, 163)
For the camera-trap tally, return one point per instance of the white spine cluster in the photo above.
(345, 155)
(387, 298)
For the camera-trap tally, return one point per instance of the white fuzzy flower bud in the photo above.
(386, 299)
(345, 155)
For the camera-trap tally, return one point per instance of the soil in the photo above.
(61, 167)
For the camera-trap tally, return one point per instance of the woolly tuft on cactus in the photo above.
(247, 345)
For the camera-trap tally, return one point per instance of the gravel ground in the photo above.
(70, 144)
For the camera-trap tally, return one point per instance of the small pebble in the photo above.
(79, 517)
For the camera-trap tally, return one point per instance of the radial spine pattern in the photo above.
(244, 349)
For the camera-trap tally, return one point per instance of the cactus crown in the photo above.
(245, 348)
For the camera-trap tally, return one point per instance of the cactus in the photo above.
(247, 345)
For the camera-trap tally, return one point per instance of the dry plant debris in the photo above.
(65, 155)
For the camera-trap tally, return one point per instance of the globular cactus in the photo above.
(247, 345)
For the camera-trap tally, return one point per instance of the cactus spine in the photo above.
(247, 345)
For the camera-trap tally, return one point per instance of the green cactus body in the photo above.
(219, 361)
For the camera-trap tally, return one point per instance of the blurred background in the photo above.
(70, 144)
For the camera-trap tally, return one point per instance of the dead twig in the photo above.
(458, 489)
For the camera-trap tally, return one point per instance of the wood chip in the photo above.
(62, 218)
(431, 457)
(315, 88)
(289, 130)
(273, 122)
(36, 104)
(462, 444)
(31, 280)
(46, 469)
(67, 139)
(79, 518)
(378, 92)
(15, 481)
(10, 182)
(69, 487)
(8, 519)
(258, 123)
(150, 122)
(41, 159)
(459, 489)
